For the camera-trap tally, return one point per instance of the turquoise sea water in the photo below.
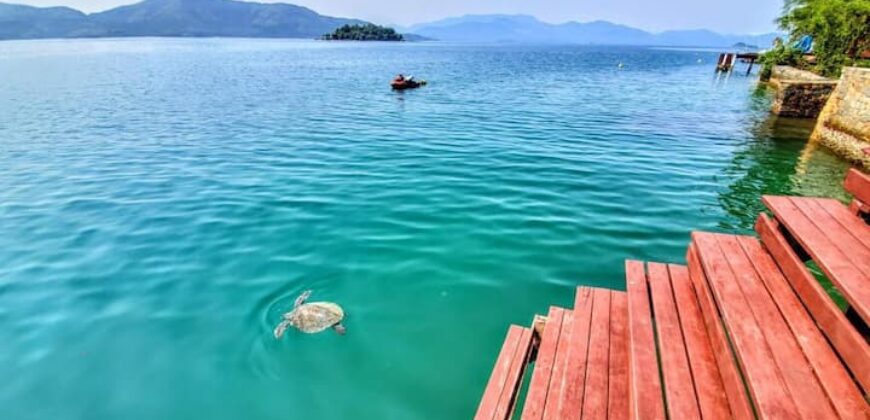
(162, 203)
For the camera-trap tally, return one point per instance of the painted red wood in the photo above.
(732, 379)
(509, 394)
(851, 346)
(557, 377)
(850, 241)
(540, 382)
(617, 407)
(853, 225)
(843, 394)
(806, 391)
(598, 366)
(645, 388)
(709, 389)
(837, 265)
(858, 184)
(499, 379)
(772, 397)
(857, 207)
(575, 372)
(676, 373)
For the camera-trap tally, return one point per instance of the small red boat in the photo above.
(402, 83)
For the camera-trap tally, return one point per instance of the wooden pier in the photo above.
(743, 331)
(726, 61)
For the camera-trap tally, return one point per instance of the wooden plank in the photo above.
(848, 242)
(554, 394)
(676, 373)
(756, 359)
(857, 208)
(732, 380)
(540, 383)
(575, 372)
(617, 407)
(853, 225)
(598, 366)
(806, 391)
(857, 183)
(710, 392)
(851, 346)
(499, 378)
(645, 388)
(509, 394)
(837, 266)
(844, 396)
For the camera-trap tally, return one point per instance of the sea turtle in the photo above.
(312, 317)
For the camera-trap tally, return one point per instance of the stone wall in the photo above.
(799, 93)
(844, 123)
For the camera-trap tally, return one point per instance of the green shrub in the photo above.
(840, 30)
(783, 55)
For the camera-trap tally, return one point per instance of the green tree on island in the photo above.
(366, 32)
(840, 31)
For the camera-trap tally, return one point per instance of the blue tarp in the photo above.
(805, 44)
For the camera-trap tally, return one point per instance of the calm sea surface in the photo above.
(162, 203)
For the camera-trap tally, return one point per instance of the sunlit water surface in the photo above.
(162, 203)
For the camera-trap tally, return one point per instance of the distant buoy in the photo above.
(621, 65)
(700, 61)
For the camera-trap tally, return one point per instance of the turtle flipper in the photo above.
(340, 329)
(301, 299)
(279, 330)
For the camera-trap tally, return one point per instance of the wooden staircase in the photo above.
(744, 330)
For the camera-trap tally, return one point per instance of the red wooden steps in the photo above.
(499, 398)
(663, 301)
(581, 369)
(743, 331)
(851, 346)
(789, 368)
(836, 240)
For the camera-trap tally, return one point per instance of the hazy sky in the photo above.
(727, 16)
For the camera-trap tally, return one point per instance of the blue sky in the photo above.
(726, 16)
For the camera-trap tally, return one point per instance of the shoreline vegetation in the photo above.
(838, 31)
(364, 32)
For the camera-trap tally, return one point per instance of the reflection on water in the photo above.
(776, 160)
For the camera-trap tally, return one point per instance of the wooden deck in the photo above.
(743, 331)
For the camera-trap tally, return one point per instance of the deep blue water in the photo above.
(163, 201)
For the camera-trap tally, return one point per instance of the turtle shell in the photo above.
(315, 316)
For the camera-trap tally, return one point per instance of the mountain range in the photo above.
(193, 18)
(232, 18)
(527, 29)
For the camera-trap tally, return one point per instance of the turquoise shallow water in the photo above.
(162, 203)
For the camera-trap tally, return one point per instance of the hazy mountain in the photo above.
(527, 29)
(248, 19)
(30, 22)
(170, 18)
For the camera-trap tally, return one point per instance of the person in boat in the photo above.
(399, 78)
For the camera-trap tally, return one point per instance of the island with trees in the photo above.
(363, 32)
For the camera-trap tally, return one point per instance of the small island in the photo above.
(366, 32)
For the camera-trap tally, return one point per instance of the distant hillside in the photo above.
(169, 18)
(231, 18)
(527, 29)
